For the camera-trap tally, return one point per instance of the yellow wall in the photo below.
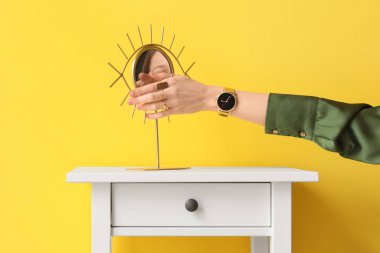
(57, 112)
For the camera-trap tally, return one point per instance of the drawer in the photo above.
(218, 204)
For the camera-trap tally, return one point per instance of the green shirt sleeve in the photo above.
(352, 130)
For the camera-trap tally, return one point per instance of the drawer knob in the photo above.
(191, 205)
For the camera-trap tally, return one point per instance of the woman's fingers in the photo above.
(145, 78)
(140, 83)
(161, 114)
(144, 99)
(139, 91)
(154, 106)
(149, 97)
(160, 76)
(149, 88)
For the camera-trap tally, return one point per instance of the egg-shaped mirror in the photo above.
(151, 64)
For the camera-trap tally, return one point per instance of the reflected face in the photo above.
(152, 61)
(159, 63)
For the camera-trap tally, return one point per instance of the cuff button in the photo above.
(275, 131)
(302, 134)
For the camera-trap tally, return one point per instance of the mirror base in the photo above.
(153, 168)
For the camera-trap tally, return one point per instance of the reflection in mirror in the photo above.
(153, 65)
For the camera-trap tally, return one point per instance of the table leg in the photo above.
(101, 218)
(260, 244)
(281, 240)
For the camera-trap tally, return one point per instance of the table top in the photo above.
(194, 174)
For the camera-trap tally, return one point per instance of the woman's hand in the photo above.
(184, 95)
(145, 79)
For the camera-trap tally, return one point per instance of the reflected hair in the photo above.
(143, 63)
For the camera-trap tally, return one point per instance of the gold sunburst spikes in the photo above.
(117, 71)
(125, 98)
(180, 52)
(188, 69)
(162, 35)
(121, 75)
(122, 52)
(151, 34)
(171, 44)
(130, 41)
(142, 43)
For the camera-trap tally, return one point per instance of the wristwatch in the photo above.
(226, 101)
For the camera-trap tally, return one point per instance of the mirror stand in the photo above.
(152, 63)
(158, 157)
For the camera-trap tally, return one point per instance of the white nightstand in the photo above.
(201, 201)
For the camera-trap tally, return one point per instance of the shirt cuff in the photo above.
(291, 115)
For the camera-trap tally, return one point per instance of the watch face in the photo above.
(226, 101)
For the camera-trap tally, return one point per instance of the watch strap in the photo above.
(227, 89)
(224, 113)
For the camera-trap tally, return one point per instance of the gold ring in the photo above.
(162, 95)
(164, 107)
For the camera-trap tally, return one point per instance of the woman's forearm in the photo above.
(349, 129)
(251, 106)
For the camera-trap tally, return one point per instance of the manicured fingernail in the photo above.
(132, 94)
(130, 101)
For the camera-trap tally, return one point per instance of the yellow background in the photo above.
(57, 112)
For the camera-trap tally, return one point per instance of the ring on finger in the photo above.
(164, 107)
(161, 95)
(161, 86)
